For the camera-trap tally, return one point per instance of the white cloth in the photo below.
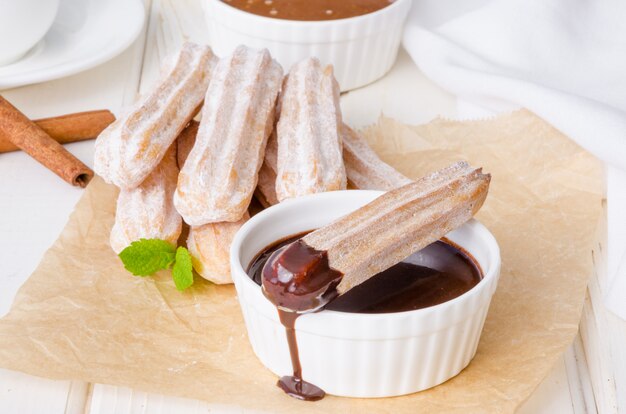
(565, 60)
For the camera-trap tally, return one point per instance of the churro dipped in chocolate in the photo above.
(309, 132)
(305, 275)
(220, 175)
(365, 170)
(131, 147)
(147, 211)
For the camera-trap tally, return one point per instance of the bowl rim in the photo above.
(491, 269)
(307, 23)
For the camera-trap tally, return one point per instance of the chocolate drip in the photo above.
(294, 385)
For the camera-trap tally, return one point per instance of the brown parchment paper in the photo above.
(82, 316)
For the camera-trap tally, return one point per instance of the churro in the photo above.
(220, 174)
(365, 170)
(147, 211)
(309, 132)
(331, 260)
(209, 246)
(131, 147)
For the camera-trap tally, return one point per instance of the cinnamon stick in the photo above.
(69, 128)
(26, 135)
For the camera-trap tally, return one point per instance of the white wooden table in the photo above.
(34, 205)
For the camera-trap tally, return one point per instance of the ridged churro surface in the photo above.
(220, 174)
(365, 170)
(400, 222)
(131, 147)
(148, 211)
(309, 132)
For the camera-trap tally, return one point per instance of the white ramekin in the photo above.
(361, 49)
(363, 355)
(23, 23)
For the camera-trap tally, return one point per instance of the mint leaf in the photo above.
(146, 256)
(181, 272)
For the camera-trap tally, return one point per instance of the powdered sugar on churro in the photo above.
(220, 174)
(147, 211)
(400, 222)
(309, 136)
(364, 169)
(209, 246)
(130, 148)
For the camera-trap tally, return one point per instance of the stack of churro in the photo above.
(259, 135)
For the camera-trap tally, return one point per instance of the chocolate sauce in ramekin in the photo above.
(436, 274)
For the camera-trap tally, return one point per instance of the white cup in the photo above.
(23, 23)
(361, 49)
(354, 354)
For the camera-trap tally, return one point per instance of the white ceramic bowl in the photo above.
(23, 23)
(361, 49)
(363, 355)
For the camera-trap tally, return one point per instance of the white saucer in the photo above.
(84, 34)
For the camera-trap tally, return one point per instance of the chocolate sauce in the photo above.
(309, 9)
(436, 274)
(298, 277)
(294, 385)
